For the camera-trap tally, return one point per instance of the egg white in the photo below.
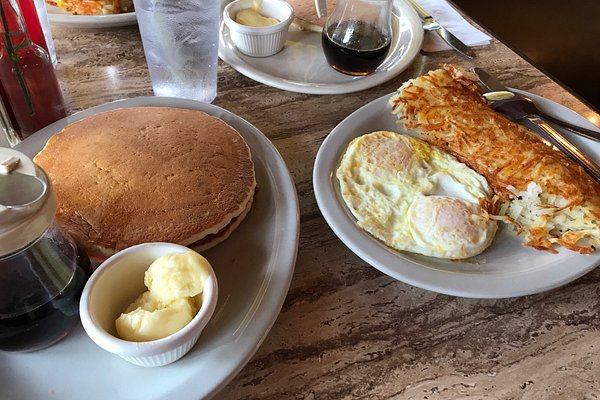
(415, 197)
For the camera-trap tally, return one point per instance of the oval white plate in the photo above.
(254, 267)
(61, 17)
(505, 269)
(301, 65)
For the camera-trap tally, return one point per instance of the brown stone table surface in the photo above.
(346, 330)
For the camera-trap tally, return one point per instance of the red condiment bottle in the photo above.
(35, 16)
(29, 84)
(32, 23)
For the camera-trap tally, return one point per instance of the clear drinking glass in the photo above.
(42, 13)
(180, 41)
(8, 135)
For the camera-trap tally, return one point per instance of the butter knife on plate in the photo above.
(430, 24)
(498, 95)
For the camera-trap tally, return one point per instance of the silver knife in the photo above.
(430, 24)
(542, 127)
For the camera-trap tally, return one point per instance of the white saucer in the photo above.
(505, 269)
(61, 17)
(301, 65)
(254, 267)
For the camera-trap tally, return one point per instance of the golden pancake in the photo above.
(149, 174)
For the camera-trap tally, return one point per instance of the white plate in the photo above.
(60, 17)
(301, 65)
(505, 269)
(254, 268)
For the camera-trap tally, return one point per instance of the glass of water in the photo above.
(180, 41)
(8, 135)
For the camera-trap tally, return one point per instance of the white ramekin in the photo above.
(116, 283)
(259, 41)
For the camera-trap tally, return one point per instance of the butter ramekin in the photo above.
(115, 284)
(261, 41)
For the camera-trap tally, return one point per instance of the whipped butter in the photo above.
(175, 283)
(253, 17)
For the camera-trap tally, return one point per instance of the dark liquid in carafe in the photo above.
(31, 322)
(363, 49)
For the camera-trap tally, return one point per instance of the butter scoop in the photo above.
(152, 320)
(252, 17)
(175, 282)
(178, 275)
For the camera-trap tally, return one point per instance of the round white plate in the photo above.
(61, 17)
(254, 267)
(505, 269)
(301, 65)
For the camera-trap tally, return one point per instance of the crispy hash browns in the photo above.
(539, 191)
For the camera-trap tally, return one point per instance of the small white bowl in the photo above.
(261, 41)
(116, 283)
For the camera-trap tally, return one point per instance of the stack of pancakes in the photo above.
(149, 174)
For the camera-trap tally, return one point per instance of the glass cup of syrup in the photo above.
(357, 35)
(42, 269)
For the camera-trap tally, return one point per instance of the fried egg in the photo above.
(415, 197)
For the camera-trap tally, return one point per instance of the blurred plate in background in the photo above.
(61, 17)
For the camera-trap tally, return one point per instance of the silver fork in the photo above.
(518, 107)
(521, 109)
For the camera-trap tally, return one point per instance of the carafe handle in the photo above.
(321, 6)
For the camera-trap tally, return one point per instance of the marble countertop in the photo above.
(346, 330)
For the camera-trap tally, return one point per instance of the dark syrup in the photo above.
(49, 309)
(363, 49)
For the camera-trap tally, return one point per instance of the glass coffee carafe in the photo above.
(42, 270)
(357, 35)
